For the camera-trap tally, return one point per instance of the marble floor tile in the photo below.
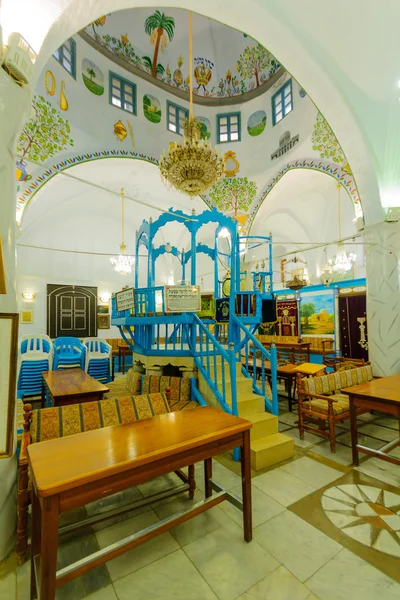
(283, 427)
(113, 502)
(342, 454)
(382, 433)
(197, 527)
(278, 585)
(367, 417)
(364, 440)
(170, 578)
(346, 576)
(142, 555)
(159, 484)
(264, 507)
(388, 421)
(106, 593)
(381, 470)
(221, 475)
(283, 487)
(312, 472)
(289, 418)
(8, 586)
(72, 548)
(296, 544)
(228, 564)
(309, 438)
(23, 581)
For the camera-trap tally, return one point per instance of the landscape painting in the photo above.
(151, 108)
(205, 128)
(92, 77)
(257, 122)
(317, 314)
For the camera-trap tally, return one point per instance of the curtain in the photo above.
(353, 326)
(287, 318)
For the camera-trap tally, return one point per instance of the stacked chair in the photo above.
(35, 356)
(98, 362)
(69, 353)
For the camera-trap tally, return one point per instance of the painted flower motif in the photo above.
(124, 39)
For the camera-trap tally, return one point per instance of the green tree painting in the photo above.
(325, 141)
(91, 73)
(160, 28)
(307, 310)
(233, 194)
(45, 134)
(253, 61)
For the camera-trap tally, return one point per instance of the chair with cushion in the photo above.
(49, 423)
(321, 400)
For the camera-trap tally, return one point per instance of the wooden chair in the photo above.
(321, 401)
(50, 423)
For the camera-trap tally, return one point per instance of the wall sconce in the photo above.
(105, 298)
(28, 296)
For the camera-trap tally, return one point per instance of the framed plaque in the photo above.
(125, 300)
(8, 374)
(182, 298)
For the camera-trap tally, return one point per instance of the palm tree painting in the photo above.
(92, 77)
(160, 28)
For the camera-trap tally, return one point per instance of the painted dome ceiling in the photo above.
(155, 43)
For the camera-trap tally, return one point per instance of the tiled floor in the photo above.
(293, 555)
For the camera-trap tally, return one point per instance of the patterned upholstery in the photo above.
(128, 384)
(51, 423)
(180, 387)
(321, 406)
(326, 384)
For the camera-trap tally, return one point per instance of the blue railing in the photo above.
(206, 350)
(148, 301)
(259, 364)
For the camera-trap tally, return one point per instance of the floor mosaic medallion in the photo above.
(368, 514)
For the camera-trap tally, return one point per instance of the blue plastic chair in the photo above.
(98, 359)
(69, 353)
(35, 356)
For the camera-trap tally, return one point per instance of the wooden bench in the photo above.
(50, 423)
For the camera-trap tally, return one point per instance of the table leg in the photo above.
(36, 540)
(353, 428)
(43, 395)
(207, 477)
(289, 385)
(192, 482)
(246, 487)
(49, 545)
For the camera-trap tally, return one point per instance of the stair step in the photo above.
(250, 404)
(264, 424)
(271, 450)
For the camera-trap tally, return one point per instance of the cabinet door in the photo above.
(353, 326)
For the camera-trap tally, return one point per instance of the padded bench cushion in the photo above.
(321, 406)
(55, 422)
(180, 387)
(336, 381)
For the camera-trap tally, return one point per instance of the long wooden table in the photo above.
(72, 471)
(69, 386)
(382, 394)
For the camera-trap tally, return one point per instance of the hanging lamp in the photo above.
(296, 283)
(326, 276)
(122, 263)
(343, 261)
(193, 167)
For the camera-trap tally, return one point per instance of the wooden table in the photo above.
(310, 369)
(69, 386)
(72, 471)
(381, 394)
(122, 352)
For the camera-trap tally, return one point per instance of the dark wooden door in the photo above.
(71, 311)
(353, 326)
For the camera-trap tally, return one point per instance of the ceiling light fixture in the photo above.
(343, 261)
(193, 167)
(326, 276)
(297, 281)
(122, 263)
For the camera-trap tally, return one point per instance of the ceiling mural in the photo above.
(233, 195)
(205, 128)
(157, 43)
(325, 142)
(45, 134)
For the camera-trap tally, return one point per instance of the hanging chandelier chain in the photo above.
(191, 64)
(339, 224)
(123, 215)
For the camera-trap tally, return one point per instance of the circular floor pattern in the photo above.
(369, 515)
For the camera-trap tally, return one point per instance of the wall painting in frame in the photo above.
(8, 373)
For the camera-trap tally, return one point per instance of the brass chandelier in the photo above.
(193, 167)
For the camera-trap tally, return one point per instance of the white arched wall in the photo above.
(310, 52)
(303, 207)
